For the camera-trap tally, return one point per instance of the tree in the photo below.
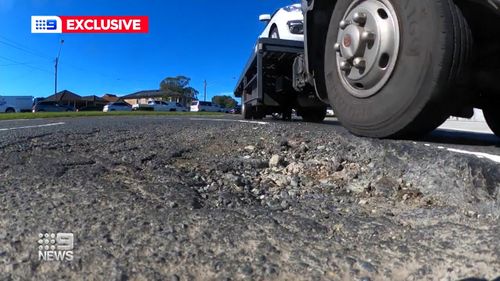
(225, 101)
(178, 86)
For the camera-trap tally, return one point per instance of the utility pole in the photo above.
(56, 66)
(205, 90)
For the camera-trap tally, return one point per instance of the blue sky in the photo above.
(200, 39)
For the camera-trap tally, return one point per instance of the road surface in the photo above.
(164, 198)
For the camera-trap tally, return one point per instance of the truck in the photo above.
(388, 68)
(12, 104)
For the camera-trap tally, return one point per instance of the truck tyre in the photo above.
(10, 110)
(313, 115)
(246, 111)
(492, 116)
(258, 112)
(392, 67)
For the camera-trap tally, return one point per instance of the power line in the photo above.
(24, 64)
(13, 44)
(14, 64)
(24, 50)
(20, 47)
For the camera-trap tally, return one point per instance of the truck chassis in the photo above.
(268, 83)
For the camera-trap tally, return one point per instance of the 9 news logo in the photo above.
(56, 246)
(46, 24)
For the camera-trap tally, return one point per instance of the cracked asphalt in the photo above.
(162, 198)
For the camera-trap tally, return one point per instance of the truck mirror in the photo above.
(265, 18)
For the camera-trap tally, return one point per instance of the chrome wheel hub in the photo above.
(367, 46)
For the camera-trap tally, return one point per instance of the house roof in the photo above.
(64, 96)
(145, 94)
(110, 98)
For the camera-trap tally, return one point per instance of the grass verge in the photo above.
(29, 115)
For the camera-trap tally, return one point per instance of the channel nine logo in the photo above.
(89, 24)
(56, 246)
(46, 24)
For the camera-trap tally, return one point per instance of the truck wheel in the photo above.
(277, 116)
(492, 116)
(246, 111)
(258, 112)
(287, 115)
(392, 67)
(10, 110)
(314, 115)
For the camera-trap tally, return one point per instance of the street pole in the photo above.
(55, 83)
(205, 90)
(57, 65)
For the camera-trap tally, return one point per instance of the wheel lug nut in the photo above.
(359, 18)
(337, 47)
(343, 24)
(345, 66)
(368, 36)
(359, 63)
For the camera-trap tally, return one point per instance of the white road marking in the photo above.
(230, 120)
(31, 127)
(494, 158)
(481, 155)
(14, 120)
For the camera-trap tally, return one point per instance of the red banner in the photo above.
(105, 24)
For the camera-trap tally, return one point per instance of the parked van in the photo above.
(205, 106)
(11, 104)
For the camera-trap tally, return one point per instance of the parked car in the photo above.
(117, 106)
(90, 108)
(205, 106)
(286, 23)
(154, 105)
(224, 109)
(51, 106)
(236, 110)
(11, 104)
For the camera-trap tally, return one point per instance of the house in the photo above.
(143, 97)
(67, 98)
(94, 102)
(71, 99)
